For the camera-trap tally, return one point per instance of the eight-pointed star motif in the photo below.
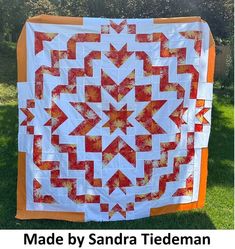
(118, 118)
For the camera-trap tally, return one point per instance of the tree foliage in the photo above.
(39, 7)
(218, 13)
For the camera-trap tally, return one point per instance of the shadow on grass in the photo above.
(221, 148)
(8, 164)
(226, 95)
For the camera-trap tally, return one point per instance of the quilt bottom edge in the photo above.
(24, 214)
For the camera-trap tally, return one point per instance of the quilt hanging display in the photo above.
(114, 117)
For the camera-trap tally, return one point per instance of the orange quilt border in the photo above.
(201, 196)
(22, 213)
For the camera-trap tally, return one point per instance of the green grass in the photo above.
(218, 211)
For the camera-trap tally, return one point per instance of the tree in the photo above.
(12, 15)
(218, 13)
(38, 7)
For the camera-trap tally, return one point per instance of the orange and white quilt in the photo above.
(114, 117)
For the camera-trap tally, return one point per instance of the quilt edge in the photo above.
(22, 213)
(202, 192)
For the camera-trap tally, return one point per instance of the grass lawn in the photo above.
(218, 211)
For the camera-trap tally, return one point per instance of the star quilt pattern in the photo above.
(114, 117)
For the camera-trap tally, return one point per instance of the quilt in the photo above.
(114, 117)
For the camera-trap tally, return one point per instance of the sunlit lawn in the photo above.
(218, 211)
